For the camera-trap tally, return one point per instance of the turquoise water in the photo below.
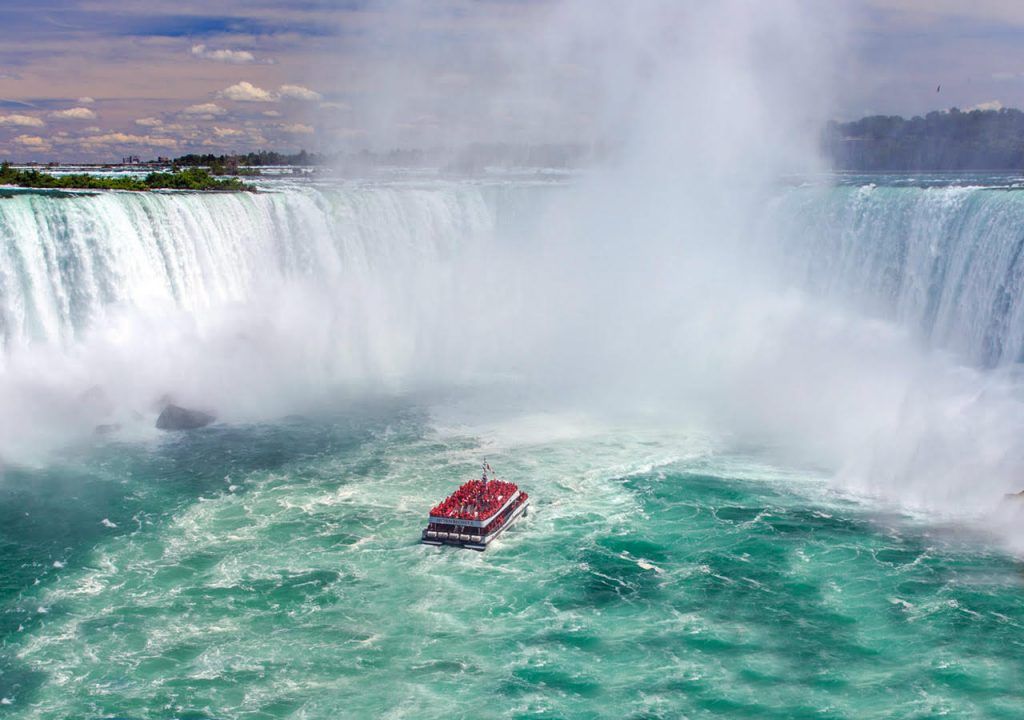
(266, 568)
(272, 571)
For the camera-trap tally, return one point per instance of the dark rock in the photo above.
(175, 417)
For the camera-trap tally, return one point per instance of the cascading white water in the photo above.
(254, 305)
(250, 305)
(944, 261)
(66, 260)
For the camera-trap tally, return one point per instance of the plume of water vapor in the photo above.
(649, 288)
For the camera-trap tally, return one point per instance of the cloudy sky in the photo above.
(99, 79)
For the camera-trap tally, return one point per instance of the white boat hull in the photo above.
(473, 542)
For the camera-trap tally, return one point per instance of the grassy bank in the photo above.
(187, 179)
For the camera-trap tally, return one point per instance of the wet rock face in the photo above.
(175, 417)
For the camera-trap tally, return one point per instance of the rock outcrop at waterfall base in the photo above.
(175, 417)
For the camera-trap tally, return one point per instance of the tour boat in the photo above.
(475, 514)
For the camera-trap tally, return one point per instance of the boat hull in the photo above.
(473, 542)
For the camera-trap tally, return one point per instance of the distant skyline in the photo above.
(99, 79)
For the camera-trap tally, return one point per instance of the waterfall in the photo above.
(943, 261)
(66, 260)
(250, 305)
(255, 306)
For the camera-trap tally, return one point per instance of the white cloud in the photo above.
(246, 92)
(228, 56)
(204, 109)
(298, 129)
(78, 113)
(990, 105)
(119, 138)
(149, 122)
(85, 100)
(21, 120)
(226, 132)
(297, 92)
(33, 141)
(335, 106)
(272, 113)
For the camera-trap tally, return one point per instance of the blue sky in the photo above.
(94, 79)
(99, 79)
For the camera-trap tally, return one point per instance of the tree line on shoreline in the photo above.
(950, 140)
(953, 140)
(194, 178)
(471, 158)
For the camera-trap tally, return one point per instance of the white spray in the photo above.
(648, 288)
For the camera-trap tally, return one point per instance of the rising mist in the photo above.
(650, 286)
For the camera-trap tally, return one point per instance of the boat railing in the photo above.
(441, 520)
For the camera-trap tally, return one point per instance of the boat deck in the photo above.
(458, 537)
(469, 530)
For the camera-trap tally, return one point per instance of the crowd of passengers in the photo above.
(474, 500)
(471, 530)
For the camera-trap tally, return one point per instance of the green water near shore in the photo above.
(272, 571)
